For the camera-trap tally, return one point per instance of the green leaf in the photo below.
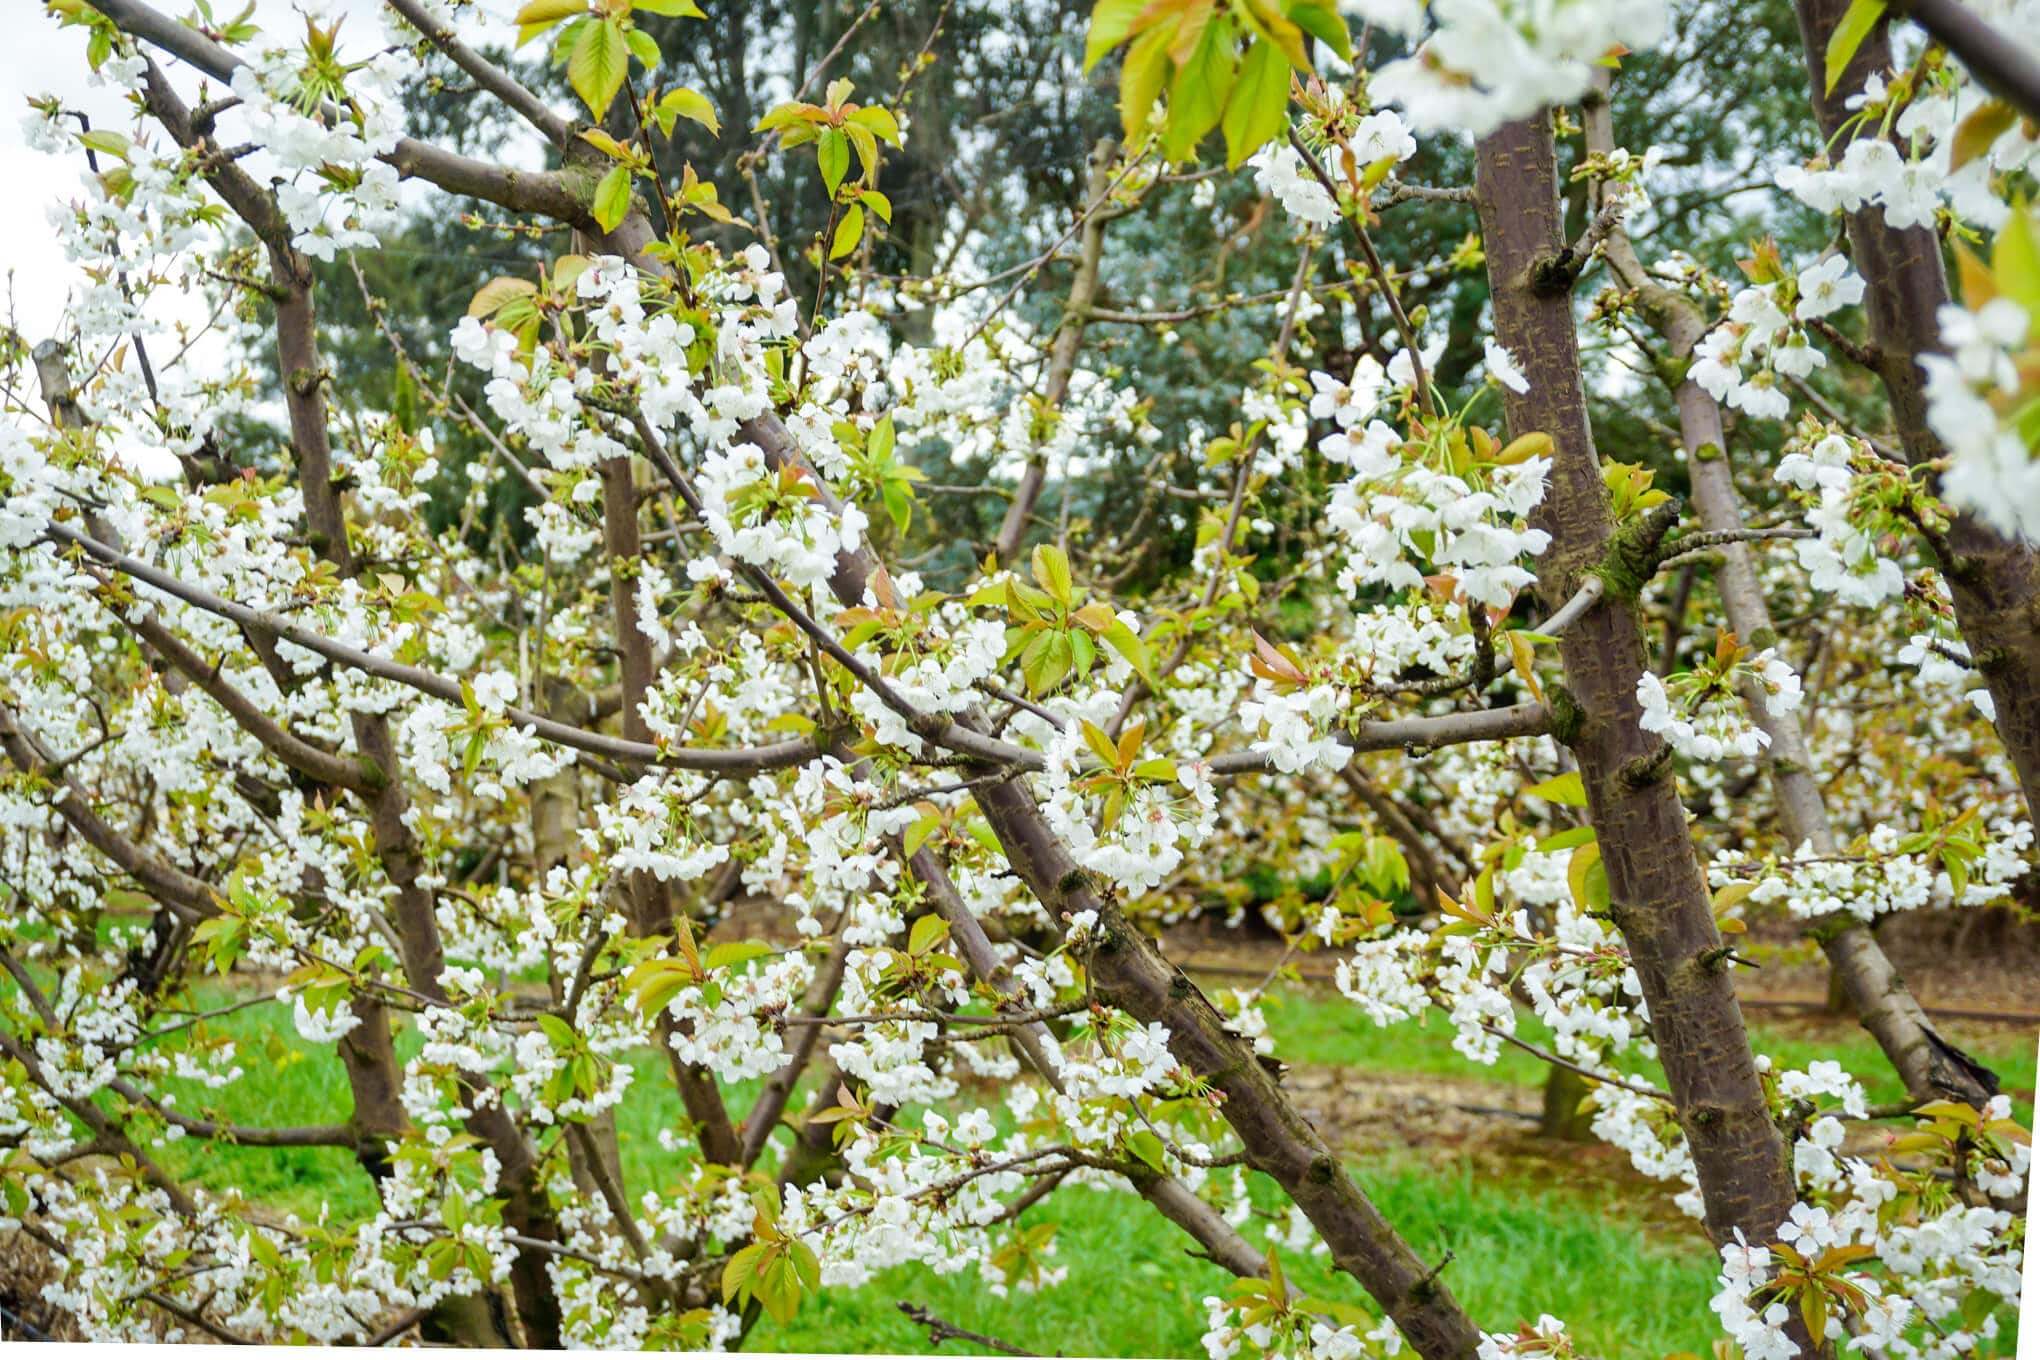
(264, 1250)
(1260, 100)
(540, 15)
(785, 115)
(1086, 651)
(737, 1276)
(596, 69)
(878, 203)
(832, 154)
(917, 835)
(1141, 76)
(655, 982)
(1588, 878)
(1127, 643)
(1567, 789)
(1862, 16)
(1813, 1311)
(877, 121)
(781, 1289)
(1567, 839)
(805, 1265)
(569, 268)
(612, 197)
(1034, 662)
(1052, 572)
(899, 504)
(2015, 261)
(606, 144)
(1143, 1144)
(671, 9)
(734, 951)
(926, 934)
(1958, 876)
(643, 47)
(108, 142)
(849, 232)
(559, 1031)
(1264, 18)
(494, 295)
(867, 149)
(1321, 19)
(691, 105)
(1100, 744)
(1111, 25)
(1198, 94)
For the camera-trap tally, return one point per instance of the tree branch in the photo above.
(2000, 64)
(779, 755)
(486, 73)
(1447, 729)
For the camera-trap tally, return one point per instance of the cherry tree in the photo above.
(499, 788)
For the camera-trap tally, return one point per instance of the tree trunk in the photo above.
(1563, 1118)
(1860, 974)
(1995, 582)
(1658, 898)
(368, 1054)
(651, 901)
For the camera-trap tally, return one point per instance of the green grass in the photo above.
(1519, 1250)
(1528, 1235)
(1316, 1025)
(288, 1083)
(1522, 1244)
(292, 1082)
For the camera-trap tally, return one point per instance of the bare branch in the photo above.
(1447, 729)
(486, 73)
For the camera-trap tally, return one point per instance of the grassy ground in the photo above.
(1132, 1290)
(1571, 1234)
(1316, 1026)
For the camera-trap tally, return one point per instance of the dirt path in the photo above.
(1986, 975)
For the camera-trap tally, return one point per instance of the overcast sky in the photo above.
(39, 58)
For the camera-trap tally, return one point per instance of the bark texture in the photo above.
(1658, 898)
(651, 902)
(1930, 1067)
(1995, 581)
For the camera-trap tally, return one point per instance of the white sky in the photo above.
(40, 58)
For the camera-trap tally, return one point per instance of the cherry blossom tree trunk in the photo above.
(302, 378)
(1995, 581)
(1930, 1066)
(1657, 895)
(651, 901)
